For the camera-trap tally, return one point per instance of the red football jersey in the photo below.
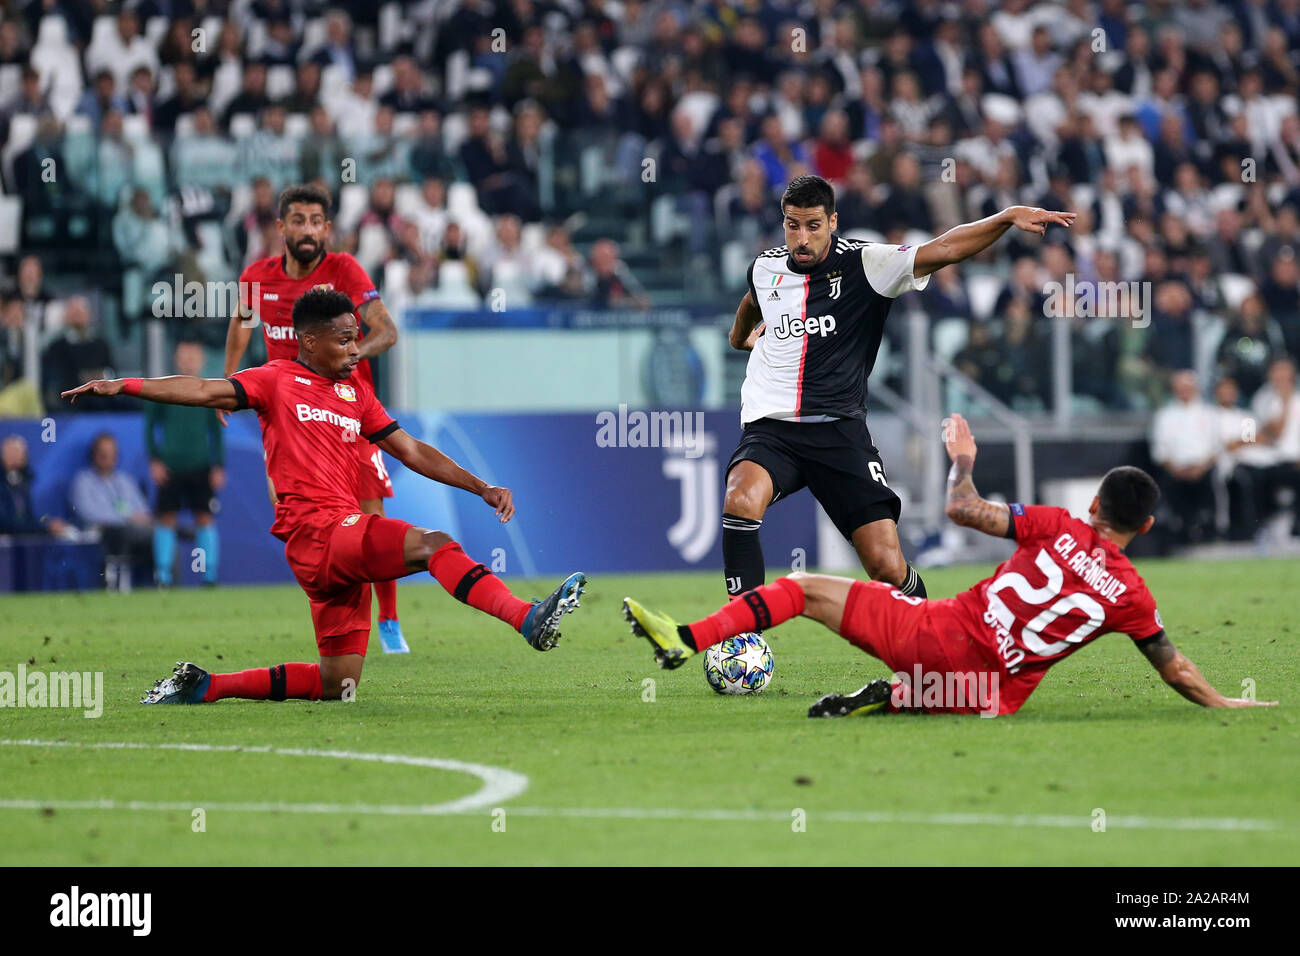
(269, 292)
(310, 427)
(1066, 585)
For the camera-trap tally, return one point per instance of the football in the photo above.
(739, 665)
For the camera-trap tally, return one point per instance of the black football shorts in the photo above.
(187, 490)
(835, 460)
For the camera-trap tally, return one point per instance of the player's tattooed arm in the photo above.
(383, 331)
(1182, 675)
(744, 329)
(426, 460)
(965, 506)
(971, 238)
(171, 390)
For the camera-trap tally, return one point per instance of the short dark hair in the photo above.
(805, 192)
(305, 193)
(1127, 497)
(318, 307)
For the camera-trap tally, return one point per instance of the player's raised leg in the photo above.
(472, 583)
(882, 558)
(755, 610)
(749, 492)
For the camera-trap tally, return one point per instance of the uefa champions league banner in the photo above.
(616, 491)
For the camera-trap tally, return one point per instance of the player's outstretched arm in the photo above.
(972, 238)
(748, 317)
(1183, 676)
(383, 331)
(965, 506)
(171, 390)
(428, 461)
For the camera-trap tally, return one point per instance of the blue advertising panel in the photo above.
(622, 490)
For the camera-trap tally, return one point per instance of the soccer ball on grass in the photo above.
(739, 665)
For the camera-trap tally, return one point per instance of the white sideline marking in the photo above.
(928, 819)
(499, 785)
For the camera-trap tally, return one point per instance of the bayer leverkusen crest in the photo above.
(345, 391)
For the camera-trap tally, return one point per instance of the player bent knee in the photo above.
(340, 675)
(421, 544)
(749, 490)
(824, 596)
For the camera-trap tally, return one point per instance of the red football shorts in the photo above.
(928, 641)
(374, 481)
(334, 561)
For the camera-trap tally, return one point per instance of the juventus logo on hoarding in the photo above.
(695, 531)
(835, 286)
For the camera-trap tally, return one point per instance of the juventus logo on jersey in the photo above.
(835, 286)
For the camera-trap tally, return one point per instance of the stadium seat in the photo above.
(333, 82)
(11, 224)
(532, 237)
(735, 263)
(136, 128)
(950, 337)
(313, 37)
(297, 125)
(255, 35)
(373, 247)
(353, 200)
(11, 79)
(1235, 288)
(405, 124)
(864, 235)
(406, 196)
(983, 290)
(625, 60)
(279, 81)
(22, 130)
(392, 30)
(50, 57)
(462, 201)
(243, 125)
(454, 290)
(455, 127)
(155, 29)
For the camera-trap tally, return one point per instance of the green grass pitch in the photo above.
(686, 778)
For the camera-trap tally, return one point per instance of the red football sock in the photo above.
(471, 583)
(755, 610)
(282, 682)
(386, 591)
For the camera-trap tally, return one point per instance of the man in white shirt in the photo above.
(1185, 444)
(1241, 455)
(1277, 409)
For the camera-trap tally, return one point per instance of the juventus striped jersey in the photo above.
(823, 329)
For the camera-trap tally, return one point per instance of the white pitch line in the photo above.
(670, 813)
(499, 785)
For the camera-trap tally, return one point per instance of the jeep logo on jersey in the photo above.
(280, 332)
(308, 414)
(345, 391)
(789, 328)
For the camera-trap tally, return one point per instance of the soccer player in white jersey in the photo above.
(813, 318)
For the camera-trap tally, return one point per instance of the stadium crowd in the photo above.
(586, 151)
